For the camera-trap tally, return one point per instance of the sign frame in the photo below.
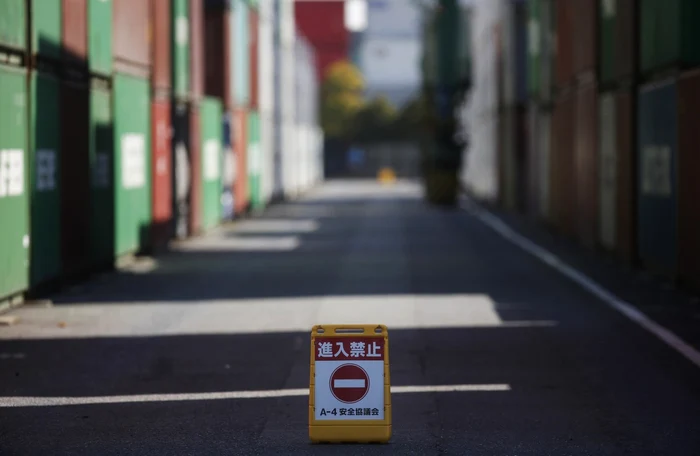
(350, 430)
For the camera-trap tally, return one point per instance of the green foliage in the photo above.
(341, 98)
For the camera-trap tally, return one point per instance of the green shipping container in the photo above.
(14, 198)
(669, 34)
(45, 140)
(13, 31)
(132, 160)
(180, 31)
(101, 177)
(46, 28)
(100, 36)
(254, 159)
(211, 128)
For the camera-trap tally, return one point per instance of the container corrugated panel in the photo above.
(241, 61)
(626, 175)
(75, 178)
(131, 33)
(13, 23)
(585, 20)
(197, 62)
(688, 182)
(217, 27)
(162, 175)
(562, 170)
(100, 36)
(132, 146)
(211, 139)
(182, 170)
(240, 148)
(669, 34)
(160, 43)
(45, 147)
(14, 193)
(254, 160)
(102, 229)
(657, 193)
(74, 32)
(180, 45)
(586, 150)
(253, 27)
(229, 169)
(607, 150)
(195, 215)
(46, 28)
(565, 29)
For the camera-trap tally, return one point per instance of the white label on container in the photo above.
(656, 171)
(45, 170)
(101, 171)
(11, 172)
(211, 160)
(533, 38)
(609, 8)
(182, 31)
(25, 241)
(133, 161)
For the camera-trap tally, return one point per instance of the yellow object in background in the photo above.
(386, 176)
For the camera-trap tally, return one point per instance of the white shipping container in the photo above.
(266, 95)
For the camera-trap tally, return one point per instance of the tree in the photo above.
(341, 98)
(375, 120)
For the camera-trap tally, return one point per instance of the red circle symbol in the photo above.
(349, 383)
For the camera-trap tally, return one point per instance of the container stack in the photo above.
(130, 124)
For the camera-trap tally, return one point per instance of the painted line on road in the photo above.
(38, 401)
(586, 282)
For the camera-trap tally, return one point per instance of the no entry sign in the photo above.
(349, 383)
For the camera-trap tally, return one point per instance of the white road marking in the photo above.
(348, 383)
(587, 283)
(38, 401)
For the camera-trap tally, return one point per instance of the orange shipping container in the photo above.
(160, 44)
(254, 58)
(132, 36)
(195, 220)
(162, 173)
(240, 145)
(586, 156)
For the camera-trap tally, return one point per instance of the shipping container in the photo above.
(520, 48)
(102, 196)
(586, 166)
(266, 94)
(195, 219)
(657, 211)
(211, 115)
(668, 32)
(100, 36)
(180, 31)
(253, 26)
(539, 121)
(132, 37)
(46, 28)
(133, 158)
(45, 151)
(197, 61)
(182, 169)
(14, 194)
(584, 39)
(534, 46)
(688, 182)
(13, 27)
(229, 170)
(162, 175)
(626, 175)
(617, 40)
(607, 151)
(160, 46)
(240, 149)
(217, 27)
(74, 33)
(254, 160)
(241, 52)
(507, 165)
(562, 166)
(564, 47)
(75, 177)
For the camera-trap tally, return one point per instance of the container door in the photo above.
(182, 180)
(13, 24)
(195, 220)
(101, 177)
(46, 29)
(180, 32)
(100, 36)
(162, 173)
(240, 140)
(607, 150)
(14, 197)
(210, 122)
(133, 163)
(254, 160)
(45, 143)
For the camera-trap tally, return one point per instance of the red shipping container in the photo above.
(585, 14)
(197, 62)
(217, 55)
(131, 36)
(562, 176)
(195, 221)
(240, 146)
(564, 63)
(323, 24)
(160, 44)
(688, 182)
(74, 32)
(254, 60)
(586, 165)
(162, 183)
(626, 176)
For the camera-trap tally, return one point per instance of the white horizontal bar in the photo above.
(38, 401)
(347, 383)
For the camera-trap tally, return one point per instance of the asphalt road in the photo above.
(231, 313)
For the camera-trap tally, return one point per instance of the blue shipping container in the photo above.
(657, 176)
